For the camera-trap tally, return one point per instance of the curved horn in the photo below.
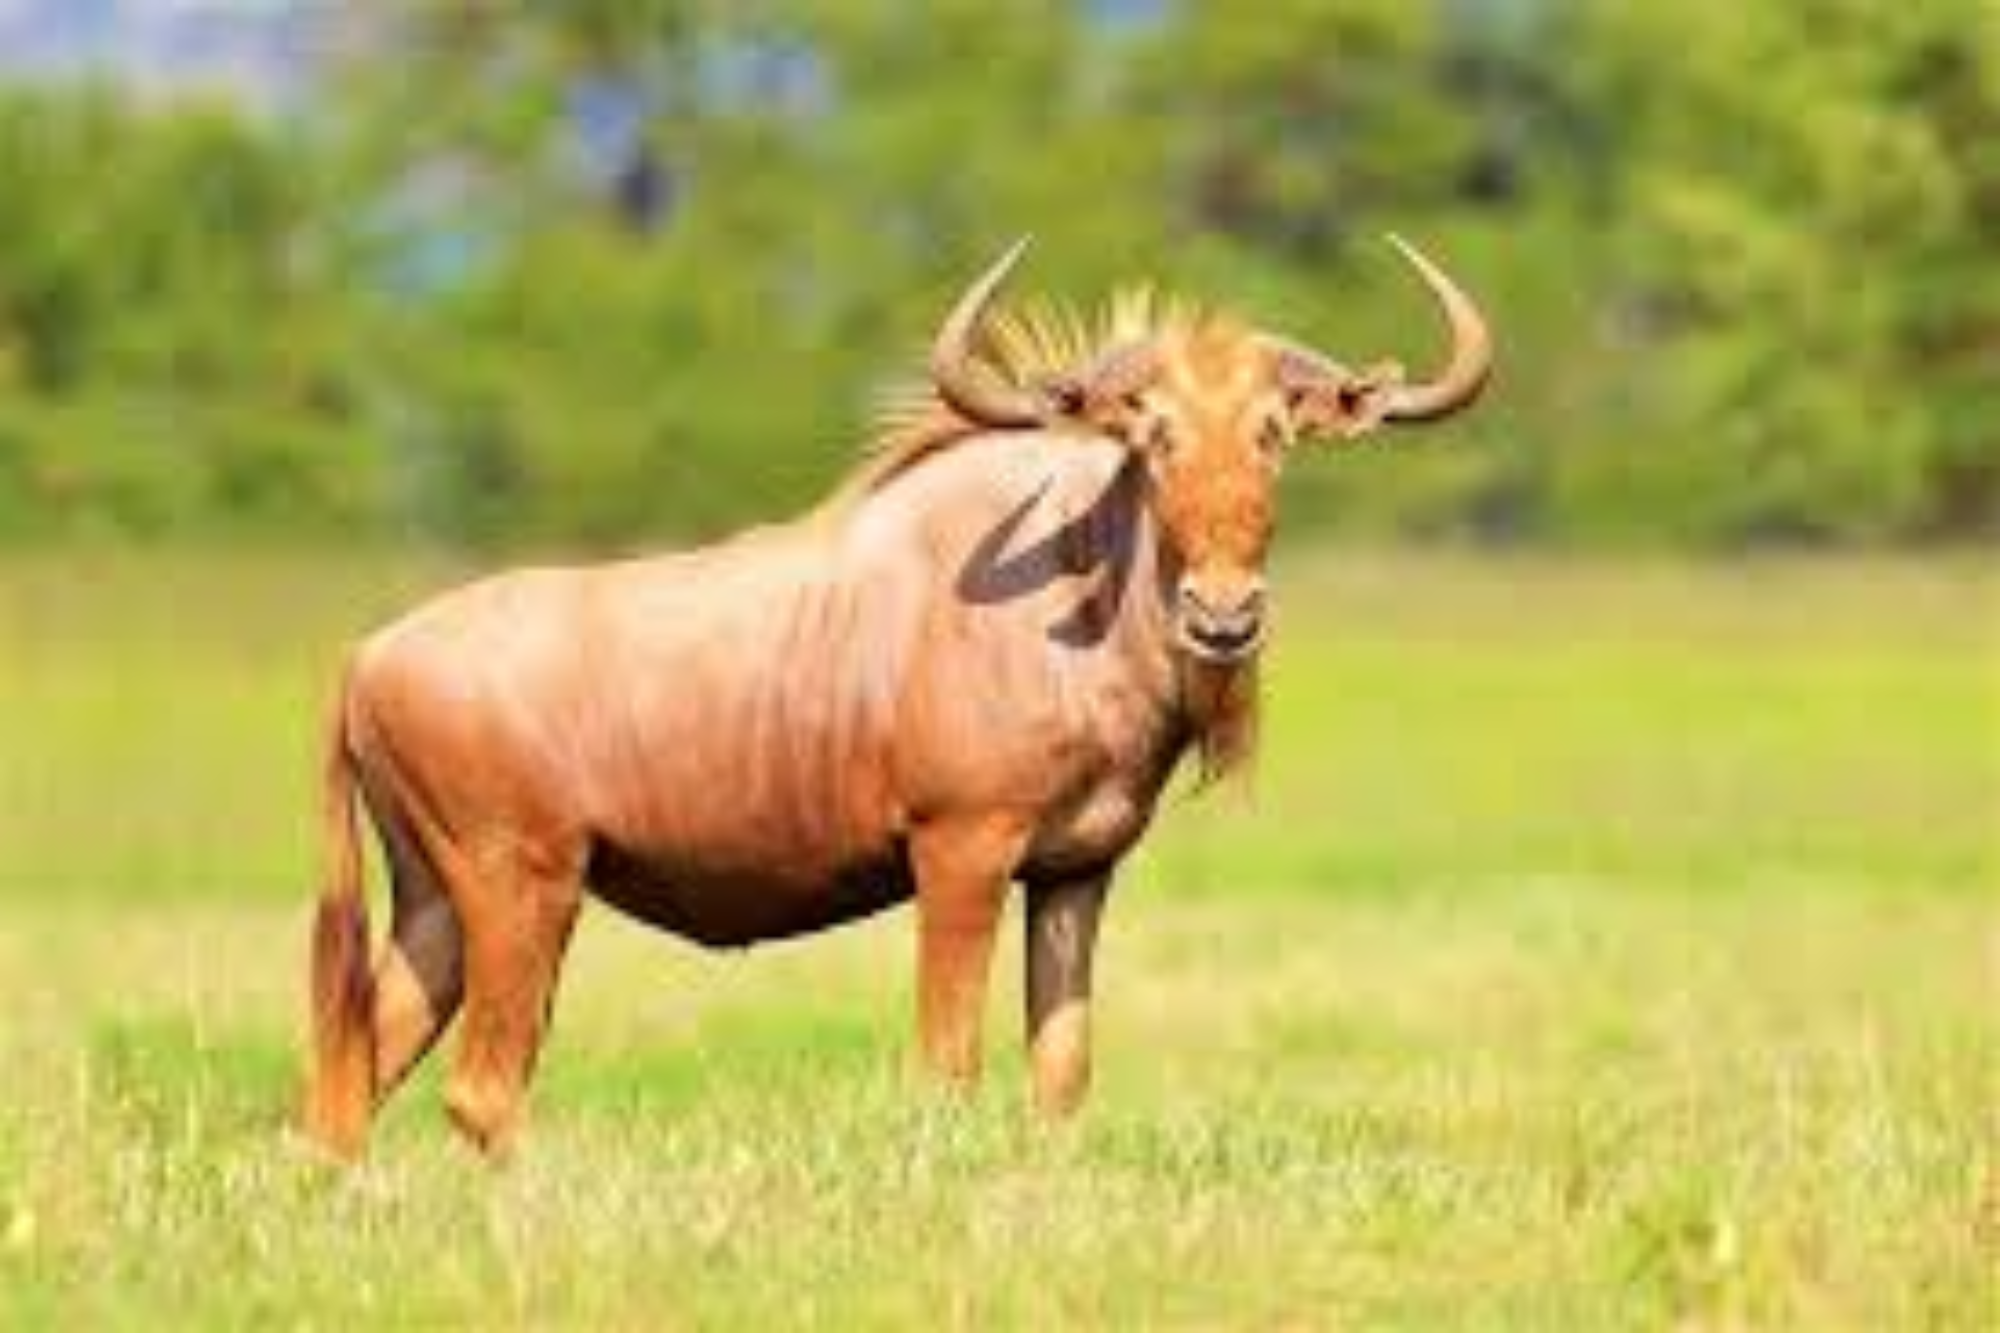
(1471, 349)
(976, 395)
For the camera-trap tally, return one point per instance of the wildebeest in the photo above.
(975, 666)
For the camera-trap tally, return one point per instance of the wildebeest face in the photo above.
(1212, 425)
(1212, 406)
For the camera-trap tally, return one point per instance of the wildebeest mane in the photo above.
(1036, 340)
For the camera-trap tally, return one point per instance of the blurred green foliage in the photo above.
(596, 271)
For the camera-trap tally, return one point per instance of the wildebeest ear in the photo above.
(1062, 395)
(1348, 405)
(1103, 392)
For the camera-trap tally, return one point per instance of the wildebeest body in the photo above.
(975, 668)
(755, 771)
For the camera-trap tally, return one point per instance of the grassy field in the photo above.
(1598, 947)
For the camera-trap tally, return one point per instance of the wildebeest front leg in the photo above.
(963, 870)
(1061, 938)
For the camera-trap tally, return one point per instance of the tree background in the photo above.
(626, 271)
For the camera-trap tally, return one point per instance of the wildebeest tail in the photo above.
(341, 1092)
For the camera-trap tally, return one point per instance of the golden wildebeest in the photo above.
(976, 665)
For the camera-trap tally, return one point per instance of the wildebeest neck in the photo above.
(1102, 539)
(1112, 539)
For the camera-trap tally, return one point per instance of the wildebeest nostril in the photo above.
(1223, 642)
(1233, 613)
(1218, 629)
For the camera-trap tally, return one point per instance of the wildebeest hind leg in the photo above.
(517, 923)
(420, 975)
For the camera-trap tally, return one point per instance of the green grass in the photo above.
(1598, 947)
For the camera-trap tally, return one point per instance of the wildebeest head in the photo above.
(1213, 406)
